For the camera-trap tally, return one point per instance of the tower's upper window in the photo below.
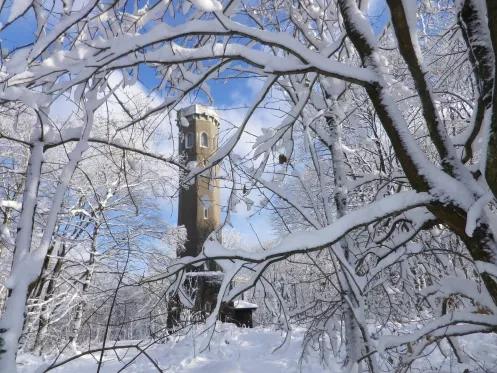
(206, 213)
(204, 140)
(189, 140)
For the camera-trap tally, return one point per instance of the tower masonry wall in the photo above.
(204, 193)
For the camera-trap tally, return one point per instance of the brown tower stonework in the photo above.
(199, 205)
(199, 210)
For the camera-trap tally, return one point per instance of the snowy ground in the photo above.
(233, 350)
(236, 350)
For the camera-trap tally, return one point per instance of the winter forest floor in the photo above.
(237, 350)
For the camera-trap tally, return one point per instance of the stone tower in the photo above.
(199, 205)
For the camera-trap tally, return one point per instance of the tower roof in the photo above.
(201, 110)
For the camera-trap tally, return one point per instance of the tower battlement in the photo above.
(199, 111)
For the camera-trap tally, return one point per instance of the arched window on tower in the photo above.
(189, 140)
(204, 140)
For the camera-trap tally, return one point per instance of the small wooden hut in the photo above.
(239, 313)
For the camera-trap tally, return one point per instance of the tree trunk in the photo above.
(78, 318)
(35, 294)
(11, 323)
(45, 312)
(353, 342)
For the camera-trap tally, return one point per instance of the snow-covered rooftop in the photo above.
(239, 304)
(205, 274)
(198, 109)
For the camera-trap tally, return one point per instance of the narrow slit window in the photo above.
(189, 140)
(206, 213)
(204, 140)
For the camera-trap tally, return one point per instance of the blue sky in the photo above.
(235, 93)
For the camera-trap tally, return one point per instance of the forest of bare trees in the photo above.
(377, 174)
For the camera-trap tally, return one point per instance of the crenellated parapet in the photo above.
(200, 112)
